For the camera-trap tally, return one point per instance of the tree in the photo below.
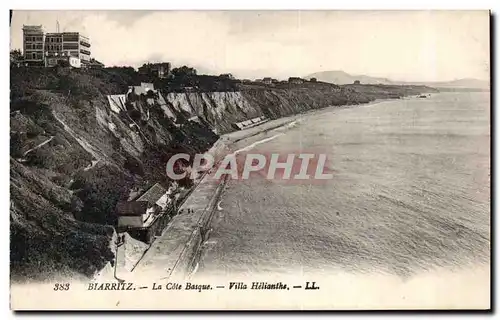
(16, 55)
(16, 58)
(357, 82)
(183, 71)
(313, 80)
(227, 76)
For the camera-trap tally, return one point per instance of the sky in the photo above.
(400, 45)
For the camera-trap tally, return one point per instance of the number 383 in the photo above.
(61, 287)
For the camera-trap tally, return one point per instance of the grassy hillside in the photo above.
(68, 168)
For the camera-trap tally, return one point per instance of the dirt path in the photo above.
(39, 145)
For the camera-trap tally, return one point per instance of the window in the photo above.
(72, 38)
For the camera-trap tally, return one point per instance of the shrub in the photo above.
(100, 189)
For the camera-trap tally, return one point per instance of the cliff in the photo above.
(74, 153)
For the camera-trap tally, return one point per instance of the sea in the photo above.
(410, 194)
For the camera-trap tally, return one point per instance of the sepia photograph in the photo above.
(250, 160)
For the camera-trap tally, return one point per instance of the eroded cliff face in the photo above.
(219, 109)
(73, 155)
(222, 109)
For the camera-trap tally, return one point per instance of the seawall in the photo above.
(175, 252)
(189, 258)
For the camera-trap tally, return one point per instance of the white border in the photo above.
(259, 5)
(190, 5)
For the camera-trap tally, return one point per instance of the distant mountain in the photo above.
(341, 77)
(456, 84)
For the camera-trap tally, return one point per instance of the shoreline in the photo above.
(192, 245)
(193, 266)
(174, 233)
(289, 119)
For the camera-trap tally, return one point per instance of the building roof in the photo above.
(147, 85)
(153, 194)
(60, 34)
(33, 28)
(152, 66)
(131, 208)
(142, 89)
(160, 64)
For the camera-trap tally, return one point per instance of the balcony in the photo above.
(85, 52)
(85, 43)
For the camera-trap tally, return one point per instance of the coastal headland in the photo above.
(83, 140)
